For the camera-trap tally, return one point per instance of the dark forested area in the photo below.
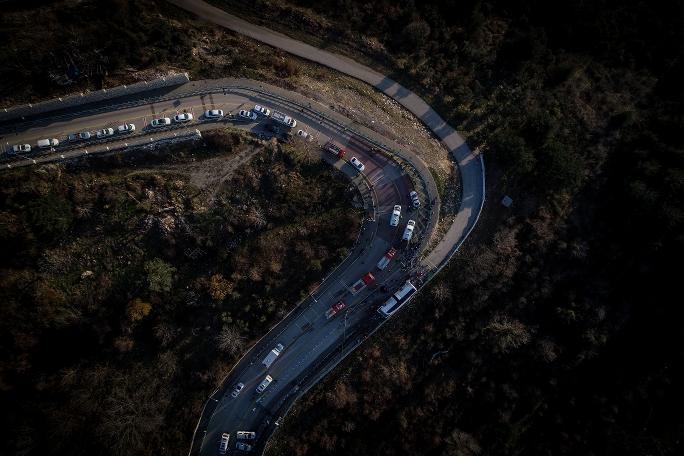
(557, 330)
(129, 285)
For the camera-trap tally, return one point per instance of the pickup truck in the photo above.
(272, 355)
(335, 309)
(283, 119)
(362, 283)
(386, 258)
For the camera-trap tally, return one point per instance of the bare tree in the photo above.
(508, 333)
(548, 350)
(441, 292)
(462, 444)
(165, 333)
(134, 411)
(230, 340)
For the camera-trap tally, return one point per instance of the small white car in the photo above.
(125, 128)
(184, 117)
(105, 133)
(213, 113)
(357, 164)
(21, 148)
(82, 136)
(47, 143)
(243, 446)
(223, 444)
(303, 134)
(246, 435)
(264, 111)
(237, 389)
(161, 122)
(264, 384)
(396, 214)
(247, 114)
(414, 199)
(408, 231)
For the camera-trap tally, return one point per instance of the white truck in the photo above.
(408, 231)
(283, 119)
(272, 355)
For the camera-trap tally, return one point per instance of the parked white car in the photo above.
(82, 136)
(396, 214)
(184, 117)
(237, 389)
(247, 114)
(104, 133)
(125, 128)
(223, 444)
(213, 113)
(246, 435)
(161, 122)
(303, 134)
(357, 164)
(408, 231)
(47, 143)
(264, 111)
(21, 148)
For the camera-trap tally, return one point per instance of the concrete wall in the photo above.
(19, 112)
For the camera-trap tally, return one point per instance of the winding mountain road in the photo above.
(313, 343)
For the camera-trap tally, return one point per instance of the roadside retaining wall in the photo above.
(56, 104)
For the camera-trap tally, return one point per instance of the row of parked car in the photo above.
(212, 114)
(50, 143)
(241, 435)
(262, 111)
(103, 133)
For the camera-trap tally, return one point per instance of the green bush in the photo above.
(159, 275)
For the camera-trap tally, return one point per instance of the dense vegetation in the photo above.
(557, 330)
(87, 45)
(130, 285)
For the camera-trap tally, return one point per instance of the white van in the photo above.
(272, 355)
(264, 384)
(47, 143)
(223, 444)
(396, 214)
(408, 231)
